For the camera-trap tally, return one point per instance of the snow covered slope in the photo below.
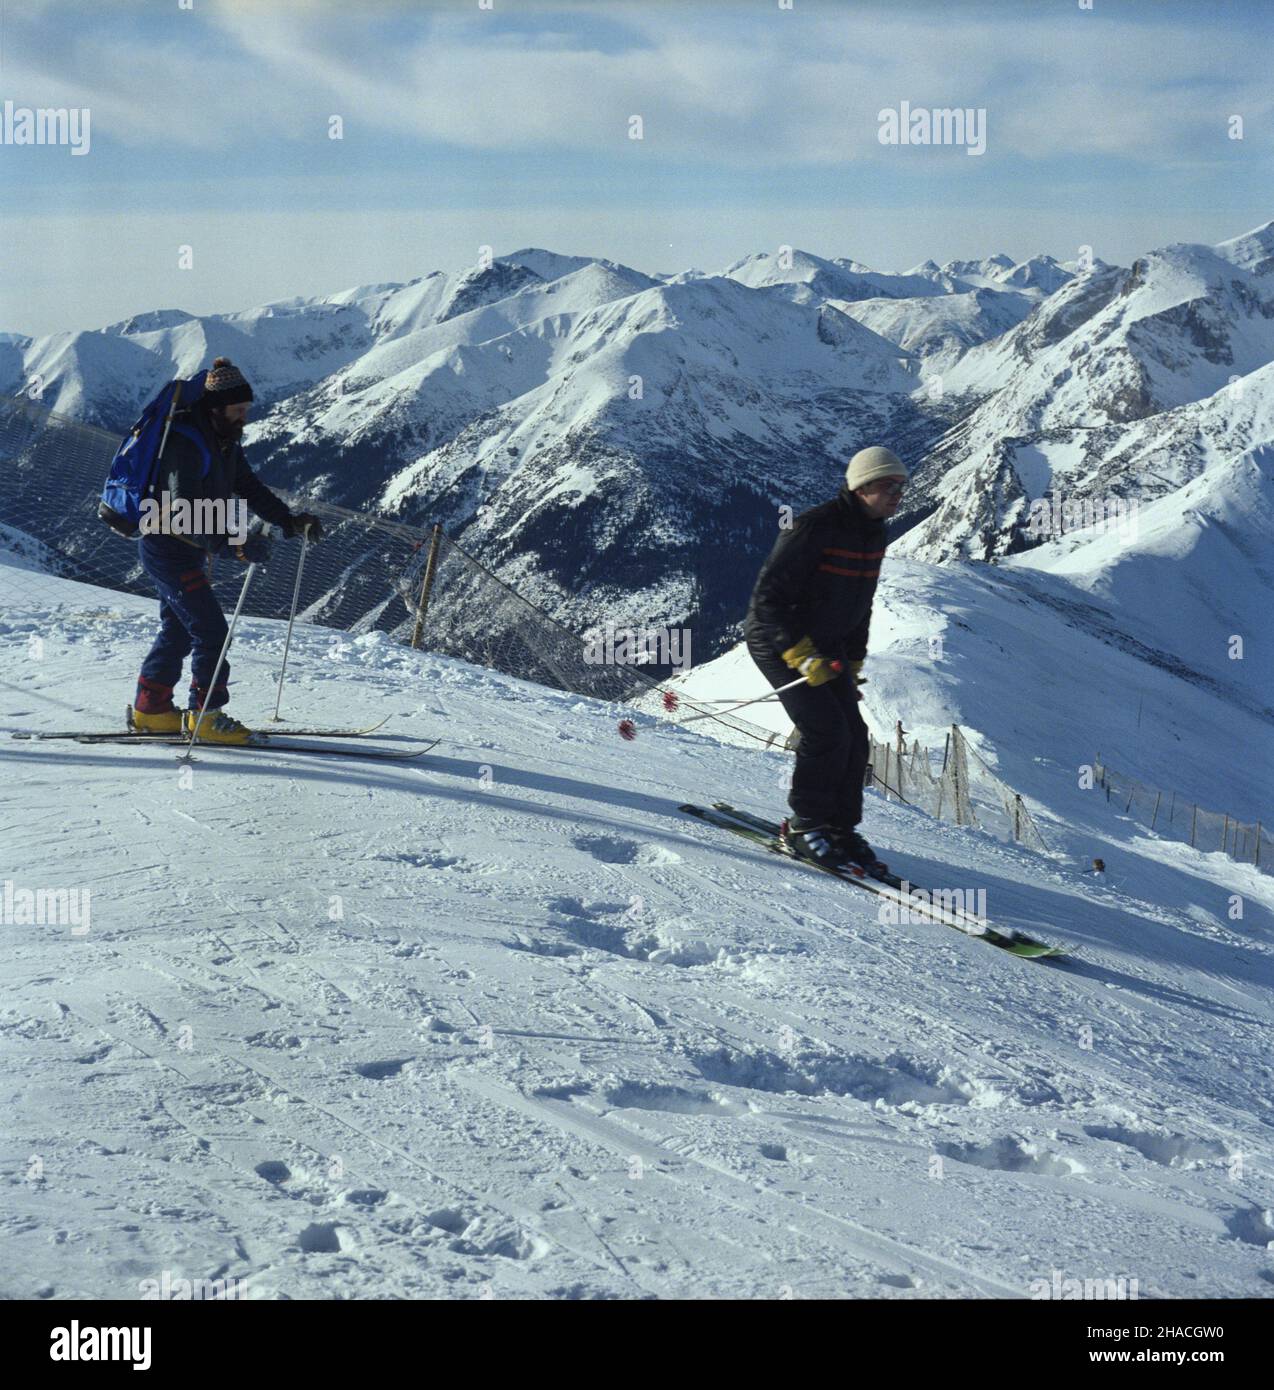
(1043, 274)
(935, 313)
(21, 551)
(502, 1021)
(286, 348)
(940, 329)
(812, 278)
(1173, 328)
(1186, 574)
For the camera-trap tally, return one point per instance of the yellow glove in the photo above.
(815, 668)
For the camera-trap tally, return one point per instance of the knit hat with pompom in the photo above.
(225, 384)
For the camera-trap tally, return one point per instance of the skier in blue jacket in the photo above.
(203, 463)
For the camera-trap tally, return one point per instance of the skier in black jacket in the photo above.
(810, 609)
(203, 462)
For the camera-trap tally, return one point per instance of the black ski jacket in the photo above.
(198, 465)
(819, 582)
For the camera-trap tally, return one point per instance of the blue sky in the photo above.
(508, 127)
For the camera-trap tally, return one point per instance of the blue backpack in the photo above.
(135, 467)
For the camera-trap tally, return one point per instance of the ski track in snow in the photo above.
(560, 1041)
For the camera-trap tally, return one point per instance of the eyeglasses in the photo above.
(890, 488)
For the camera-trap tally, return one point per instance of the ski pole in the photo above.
(221, 661)
(672, 701)
(628, 730)
(287, 641)
(756, 700)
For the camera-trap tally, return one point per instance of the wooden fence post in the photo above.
(958, 792)
(427, 584)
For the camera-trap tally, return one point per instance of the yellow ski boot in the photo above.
(217, 727)
(165, 722)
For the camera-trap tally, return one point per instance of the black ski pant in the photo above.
(831, 757)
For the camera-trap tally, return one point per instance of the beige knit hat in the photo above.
(869, 464)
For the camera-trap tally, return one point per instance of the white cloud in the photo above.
(720, 84)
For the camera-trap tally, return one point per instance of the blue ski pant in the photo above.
(191, 623)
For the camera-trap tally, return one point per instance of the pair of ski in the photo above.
(769, 836)
(286, 740)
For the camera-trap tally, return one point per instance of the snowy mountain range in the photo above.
(1129, 382)
(935, 313)
(618, 443)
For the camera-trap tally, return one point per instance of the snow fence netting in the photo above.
(1175, 817)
